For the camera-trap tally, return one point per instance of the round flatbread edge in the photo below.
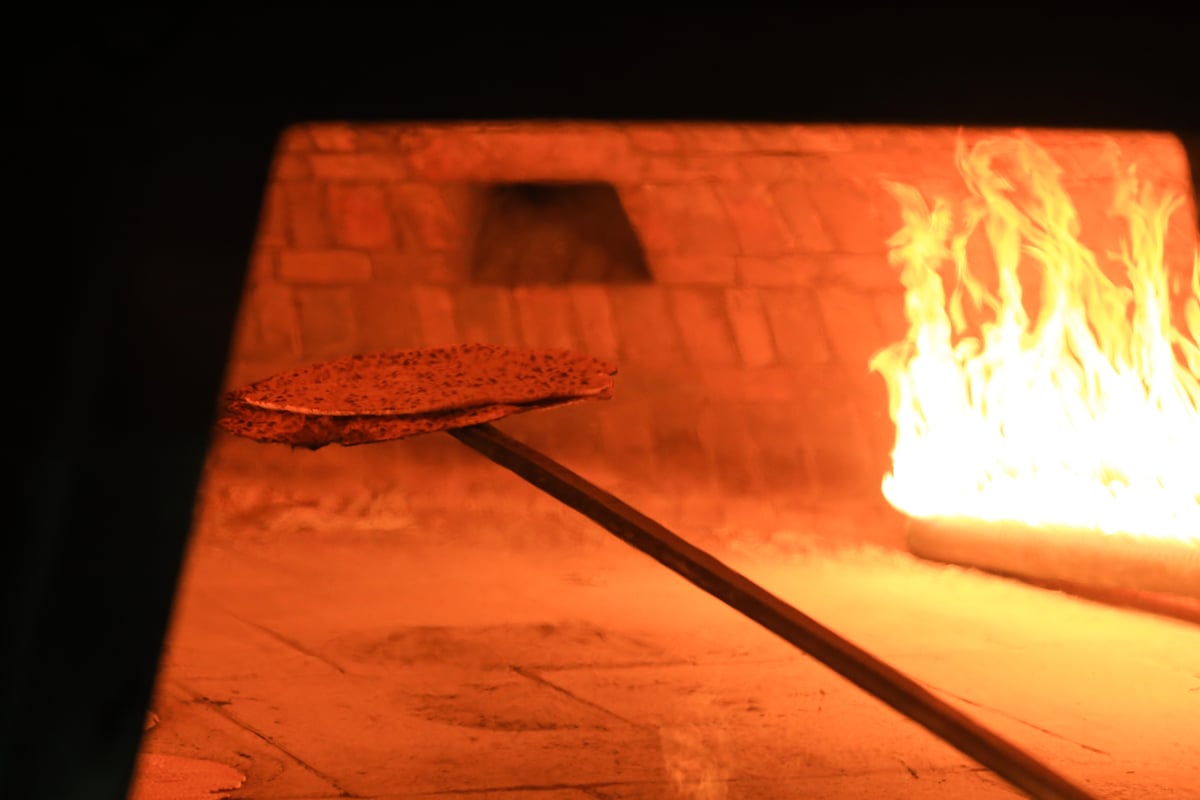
(316, 431)
(432, 380)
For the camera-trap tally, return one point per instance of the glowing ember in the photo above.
(1080, 409)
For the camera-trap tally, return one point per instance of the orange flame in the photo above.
(1085, 414)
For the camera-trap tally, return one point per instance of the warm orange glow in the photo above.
(1078, 408)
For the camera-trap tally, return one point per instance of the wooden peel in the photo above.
(264, 411)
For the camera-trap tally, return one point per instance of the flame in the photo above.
(1081, 409)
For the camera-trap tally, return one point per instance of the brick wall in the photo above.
(743, 364)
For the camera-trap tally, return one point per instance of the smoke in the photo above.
(695, 757)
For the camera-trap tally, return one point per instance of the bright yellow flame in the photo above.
(1084, 412)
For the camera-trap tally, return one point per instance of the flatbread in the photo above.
(314, 431)
(408, 382)
(402, 393)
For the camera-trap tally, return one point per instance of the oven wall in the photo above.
(743, 398)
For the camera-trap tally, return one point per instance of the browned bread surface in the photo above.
(431, 379)
(390, 395)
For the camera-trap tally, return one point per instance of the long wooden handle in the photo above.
(735, 590)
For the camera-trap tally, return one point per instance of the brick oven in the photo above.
(405, 619)
(743, 346)
(766, 289)
(737, 274)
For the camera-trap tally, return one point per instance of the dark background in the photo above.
(140, 147)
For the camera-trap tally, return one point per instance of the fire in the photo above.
(1076, 407)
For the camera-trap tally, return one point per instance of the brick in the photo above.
(776, 435)
(238, 373)
(371, 139)
(850, 324)
(870, 138)
(823, 138)
(684, 462)
(273, 218)
(562, 431)
(628, 440)
(835, 442)
(853, 215)
(648, 220)
(796, 328)
(388, 316)
(1084, 157)
(656, 138)
(702, 510)
(819, 168)
(324, 266)
(722, 427)
(435, 216)
(889, 310)
(703, 326)
(756, 221)
(327, 321)
(360, 216)
(802, 270)
(953, 190)
(485, 314)
(359, 166)
(381, 138)
(907, 166)
(307, 215)
(574, 152)
(268, 327)
(771, 168)
(263, 266)
(878, 431)
(659, 382)
(864, 166)
(544, 317)
(409, 266)
(769, 384)
(294, 139)
(573, 433)
(770, 138)
(866, 272)
(716, 138)
(511, 150)
(839, 468)
(1161, 160)
(747, 318)
(333, 136)
(278, 320)
(435, 312)
(695, 218)
(645, 328)
(922, 139)
(450, 154)
(690, 168)
(696, 269)
(594, 320)
(290, 167)
(798, 208)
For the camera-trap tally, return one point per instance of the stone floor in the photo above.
(353, 653)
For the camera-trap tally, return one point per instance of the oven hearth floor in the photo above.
(363, 661)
